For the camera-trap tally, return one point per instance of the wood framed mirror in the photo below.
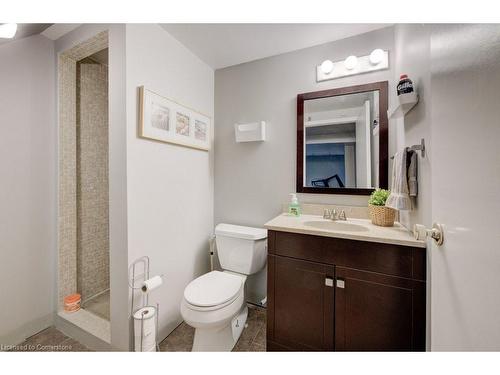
(342, 140)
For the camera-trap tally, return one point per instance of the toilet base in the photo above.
(220, 339)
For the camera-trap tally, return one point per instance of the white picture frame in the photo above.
(164, 120)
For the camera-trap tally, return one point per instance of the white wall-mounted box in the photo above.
(404, 103)
(251, 132)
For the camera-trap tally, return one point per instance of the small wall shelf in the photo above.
(404, 103)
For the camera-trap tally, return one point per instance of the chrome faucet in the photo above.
(334, 215)
(342, 216)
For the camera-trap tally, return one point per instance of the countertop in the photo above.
(352, 229)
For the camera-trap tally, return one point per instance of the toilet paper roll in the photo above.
(151, 284)
(145, 329)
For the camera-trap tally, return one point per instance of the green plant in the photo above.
(379, 197)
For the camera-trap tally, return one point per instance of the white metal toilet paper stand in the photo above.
(132, 282)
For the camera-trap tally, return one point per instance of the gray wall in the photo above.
(27, 188)
(170, 187)
(253, 180)
(412, 56)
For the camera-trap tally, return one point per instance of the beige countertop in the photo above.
(352, 229)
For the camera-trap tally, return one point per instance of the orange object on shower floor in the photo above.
(72, 302)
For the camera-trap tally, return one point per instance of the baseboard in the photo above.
(20, 334)
(90, 341)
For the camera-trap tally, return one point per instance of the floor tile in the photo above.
(257, 348)
(50, 340)
(180, 340)
(45, 340)
(260, 339)
(253, 337)
(71, 345)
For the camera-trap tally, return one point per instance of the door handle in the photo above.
(420, 232)
(340, 283)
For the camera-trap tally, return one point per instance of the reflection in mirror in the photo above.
(341, 141)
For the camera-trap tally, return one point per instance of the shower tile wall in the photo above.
(92, 179)
(67, 178)
(67, 192)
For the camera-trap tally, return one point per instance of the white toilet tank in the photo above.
(241, 249)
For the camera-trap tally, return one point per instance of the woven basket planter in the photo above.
(381, 215)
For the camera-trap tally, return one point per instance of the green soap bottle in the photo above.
(294, 207)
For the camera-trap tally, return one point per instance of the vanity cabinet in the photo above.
(304, 305)
(336, 294)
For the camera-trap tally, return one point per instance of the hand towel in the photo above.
(399, 199)
(412, 174)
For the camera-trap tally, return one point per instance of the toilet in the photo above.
(214, 303)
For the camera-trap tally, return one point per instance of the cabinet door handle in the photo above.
(329, 281)
(340, 283)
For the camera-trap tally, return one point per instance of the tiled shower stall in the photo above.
(83, 233)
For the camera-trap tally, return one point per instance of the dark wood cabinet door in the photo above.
(301, 308)
(378, 312)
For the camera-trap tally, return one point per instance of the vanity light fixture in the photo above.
(351, 62)
(327, 66)
(378, 59)
(377, 56)
(8, 30)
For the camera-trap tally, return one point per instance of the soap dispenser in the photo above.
(294, 207)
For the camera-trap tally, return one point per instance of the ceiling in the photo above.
(223, 45)
(26, 29)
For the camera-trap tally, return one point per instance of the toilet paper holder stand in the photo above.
(132, 279)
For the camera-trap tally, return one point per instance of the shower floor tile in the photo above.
(252, 339)
(99, 305)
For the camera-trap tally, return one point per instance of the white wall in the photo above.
(170, 188)
(27, 188)
(253, 180)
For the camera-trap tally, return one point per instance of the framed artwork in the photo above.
(165, 120)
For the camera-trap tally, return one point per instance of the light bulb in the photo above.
(327, 66)
(8, 30)
(376, 56)
(351, 62)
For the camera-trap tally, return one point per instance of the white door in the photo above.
(465, 163)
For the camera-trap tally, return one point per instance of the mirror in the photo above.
(342, 144)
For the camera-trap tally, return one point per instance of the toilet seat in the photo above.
(213, 290)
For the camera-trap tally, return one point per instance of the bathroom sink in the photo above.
(336, 225)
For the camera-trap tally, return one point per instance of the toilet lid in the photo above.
(212, 289)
